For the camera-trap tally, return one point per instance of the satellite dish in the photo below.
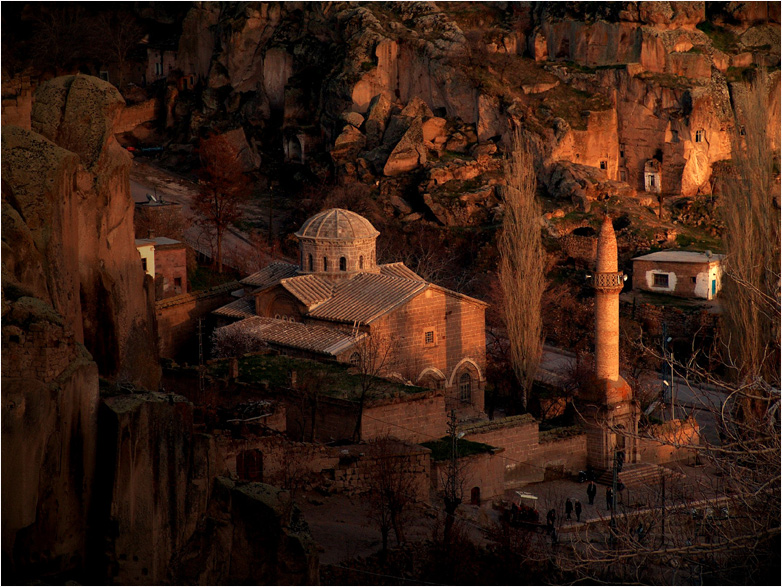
(708, 254)
(151, 198)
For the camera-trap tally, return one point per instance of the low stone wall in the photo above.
(347, 469)
(531, 456)
(415, 418)
(177, 318)
(671, 442)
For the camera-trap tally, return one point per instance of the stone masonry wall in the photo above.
(670, 442)
(529, 455)
(485, 471)
(171, 263)
(178, 317)
(416, 418)
(459, 341)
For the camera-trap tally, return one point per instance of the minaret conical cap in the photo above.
(606, 248)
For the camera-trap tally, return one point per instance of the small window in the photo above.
(361, 262)
(343, 264)
(429, 337)
(144, 264)
(698, 136)
(621, 150)
(104, 75)
(465, 387)
(325, 263)
(660, 280)
(158, 68)
(623, 175)
(604, 165)
(178, 281)
(651, 181)
(311, 265)
(693, 279)
(355, 359)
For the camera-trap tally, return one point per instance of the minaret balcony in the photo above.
(608, 281)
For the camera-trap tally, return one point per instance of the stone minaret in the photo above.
(608, 283)
(609, 411)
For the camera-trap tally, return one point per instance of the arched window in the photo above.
(465, 387)
(312, 267)
(325, 263)
(343, 264)
(361, 262)
(355, 359)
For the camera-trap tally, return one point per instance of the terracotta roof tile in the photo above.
(241, 308)
(270, 275)
(399, 269)
(309, 289)
(309, 337)
(367, 297)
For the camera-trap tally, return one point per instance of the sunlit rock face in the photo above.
(75, 303)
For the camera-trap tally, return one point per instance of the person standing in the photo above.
(591, 492)
(550, 519)
(609, 498)
(568, 508)
(578, 510)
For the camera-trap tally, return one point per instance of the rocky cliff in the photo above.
(607, 86)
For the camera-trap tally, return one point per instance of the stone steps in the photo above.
(638, 474)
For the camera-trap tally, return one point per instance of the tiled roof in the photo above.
(270, 275)
(309, 337)
(309, 289)
(399, 269)
(367, 297)
(196, 295)
(241, 308)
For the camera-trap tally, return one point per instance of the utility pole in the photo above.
(618, 462)
(452, 497)
(271, 212)
(663, 511)
(200, 359)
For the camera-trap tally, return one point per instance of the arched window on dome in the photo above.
(343, 264)
(361, 262)
(312, 267)
(325, 263)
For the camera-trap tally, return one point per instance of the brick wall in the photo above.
(171, 263)
(133, 116)
(459, 342)
(670, 442)
(177, 318)
(582, 248)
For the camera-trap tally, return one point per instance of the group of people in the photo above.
(574, 506)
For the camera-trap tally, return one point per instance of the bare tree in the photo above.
(373, 358)
(522, 263)
(223, 189)
(392, 488)
(60, 38)
(119, 34)
(751, 290)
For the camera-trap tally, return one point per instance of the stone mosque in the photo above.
(338, 295)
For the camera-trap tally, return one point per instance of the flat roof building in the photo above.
(687, 274)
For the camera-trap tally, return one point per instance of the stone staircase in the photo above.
(639, 474)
